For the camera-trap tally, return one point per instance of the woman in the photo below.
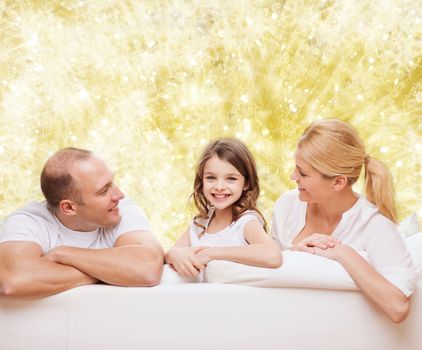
(325, 217)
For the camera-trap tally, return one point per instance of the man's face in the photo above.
(99, 195)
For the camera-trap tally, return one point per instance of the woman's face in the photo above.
(312, 186)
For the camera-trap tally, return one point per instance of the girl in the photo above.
(325, 217)
(228, 226)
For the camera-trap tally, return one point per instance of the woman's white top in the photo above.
(362, 227)
(230, 236)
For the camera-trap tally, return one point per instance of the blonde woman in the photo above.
(324, 216)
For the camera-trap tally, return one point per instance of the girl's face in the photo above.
(222, 183)
(312, 186)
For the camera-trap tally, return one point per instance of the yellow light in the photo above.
(146, 84)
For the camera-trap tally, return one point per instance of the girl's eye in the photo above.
(209, 177)
(232, 179)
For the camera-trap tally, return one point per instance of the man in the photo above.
(84, 233)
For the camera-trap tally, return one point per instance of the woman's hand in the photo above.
(185, 261)
(334, 253)
(316, 240)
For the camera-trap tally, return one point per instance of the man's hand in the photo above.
(135, 260)
(54, 254)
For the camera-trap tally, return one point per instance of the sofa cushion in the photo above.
(299, 269)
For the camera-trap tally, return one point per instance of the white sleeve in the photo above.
(23, 227)
(285, 218)
(388, 255)
(245, 218)
(132, 218)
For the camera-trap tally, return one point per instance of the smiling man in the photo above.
(83, 233)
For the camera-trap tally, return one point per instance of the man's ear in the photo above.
(67, 207)
(340, 182)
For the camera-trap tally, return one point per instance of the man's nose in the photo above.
(117, 194)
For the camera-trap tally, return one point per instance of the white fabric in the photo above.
(299, 269)
(205, 316)
(409, 226)
(414, 245)
(362, 227)
(231, 236)
(35, 223)
(170, 276)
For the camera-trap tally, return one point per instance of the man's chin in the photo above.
(112, 220)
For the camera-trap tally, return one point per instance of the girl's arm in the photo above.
(380, 292)
(261, 251)
(182, 257)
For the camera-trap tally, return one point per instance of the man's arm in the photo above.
(135, 260)
(25, 273)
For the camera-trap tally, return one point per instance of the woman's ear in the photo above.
(340, 182)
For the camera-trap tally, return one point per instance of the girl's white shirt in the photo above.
(230, 236)
(362, 227)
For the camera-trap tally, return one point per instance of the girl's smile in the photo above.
(223, 183)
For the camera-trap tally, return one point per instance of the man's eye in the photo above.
(104, 191)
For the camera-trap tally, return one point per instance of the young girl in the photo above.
(324, 216)
(228, 226)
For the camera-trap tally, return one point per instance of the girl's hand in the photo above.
(316, 240)
(184, 260)
(203, 256)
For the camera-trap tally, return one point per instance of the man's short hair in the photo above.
(57, 182)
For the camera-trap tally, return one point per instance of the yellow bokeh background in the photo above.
(146, 84)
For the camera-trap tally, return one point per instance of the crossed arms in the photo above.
(135, 260)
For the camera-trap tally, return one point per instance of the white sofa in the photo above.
(315, 306)
(205, 316)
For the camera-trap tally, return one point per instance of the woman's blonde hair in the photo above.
(237, 154)
(334, 148)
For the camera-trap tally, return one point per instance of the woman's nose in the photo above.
(294, 176)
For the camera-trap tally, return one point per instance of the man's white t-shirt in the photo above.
(36, 223)
(362, 227)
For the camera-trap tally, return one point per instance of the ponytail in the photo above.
(379, 187)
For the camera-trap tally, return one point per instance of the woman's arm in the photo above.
(261, 251)
(379, 291)
(182, 257)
